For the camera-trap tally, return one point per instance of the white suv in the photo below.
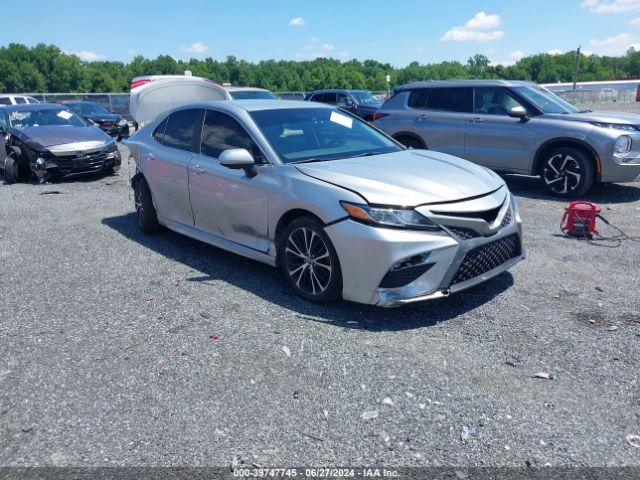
(16, 99)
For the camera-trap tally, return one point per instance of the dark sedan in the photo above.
(112, 123)
(49, 141)
(359, 102)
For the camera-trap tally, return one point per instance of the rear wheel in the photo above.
(145, 211)
(567, 172)
(411, 142)
(310, 262)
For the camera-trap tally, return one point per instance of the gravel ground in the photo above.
(123, 349)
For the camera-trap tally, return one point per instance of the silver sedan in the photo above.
(343, 209)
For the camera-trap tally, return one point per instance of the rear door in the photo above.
(439, 115)
(493, 138)
(165, 164)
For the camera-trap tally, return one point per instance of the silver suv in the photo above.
(517, 127)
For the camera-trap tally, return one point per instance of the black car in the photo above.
(112, 123)
(359, 102)
(49, 141)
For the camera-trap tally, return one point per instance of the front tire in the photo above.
(145, 211)
(310, 262)
(567, 172)
(11, 168)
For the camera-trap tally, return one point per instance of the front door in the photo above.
(493, 138)
(230, 203)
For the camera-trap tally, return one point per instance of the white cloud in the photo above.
(376, 44)
(554, 51)
(616, 45)
(420, 49)
(611, 6)
(327, 47)
(297, 22)
(635, 21)
(481, 28)
(197, 47)
(87, 56)
(344, 54)
(316, 49)
(132, 51)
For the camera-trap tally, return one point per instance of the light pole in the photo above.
(575, 67)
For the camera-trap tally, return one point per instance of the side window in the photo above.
(493, 101)
(341, 100)
(158, 133)
(418, 98)
(221, 132)
(329, 98)
(451, 99)
(5, 101)
(19, 100)
(181, 128)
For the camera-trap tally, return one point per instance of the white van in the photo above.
(155, 94)
(16, 99)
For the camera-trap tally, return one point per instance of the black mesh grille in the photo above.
(404, 276)
(91, 162)
(464, 233)
(487, 257)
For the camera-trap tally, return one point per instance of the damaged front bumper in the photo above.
(69, 162)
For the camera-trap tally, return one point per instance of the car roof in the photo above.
(245, 89)
(254, 105)
(462, 83)
(336, 90)
(32, 106)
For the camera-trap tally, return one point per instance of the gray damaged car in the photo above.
(516, 127)
(345, 210)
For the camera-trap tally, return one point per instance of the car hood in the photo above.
(604, 117)
(50, 135)
(407, 178)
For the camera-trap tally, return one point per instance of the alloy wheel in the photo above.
(137, 202)
(562, 173)
(307, 261)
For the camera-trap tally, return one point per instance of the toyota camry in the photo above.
(345, 211)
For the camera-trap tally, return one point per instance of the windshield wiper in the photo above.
(585, 111)
(365, 154)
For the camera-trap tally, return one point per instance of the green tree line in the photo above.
(46, 68)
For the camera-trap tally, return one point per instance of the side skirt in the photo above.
(219, 242)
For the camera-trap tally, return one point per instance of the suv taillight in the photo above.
(378, 116)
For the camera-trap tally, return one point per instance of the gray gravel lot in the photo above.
(123, 349)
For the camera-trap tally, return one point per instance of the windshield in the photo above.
(318, 134)
(89, 109)
(545, 100)
(365, 98)
(253, 95)
(51, 116)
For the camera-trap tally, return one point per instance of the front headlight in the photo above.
(619, 126)
(388, 216)
(622, 145)
(122, 122)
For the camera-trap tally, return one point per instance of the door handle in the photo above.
(423, 117)
(477, 120)
(197, 169)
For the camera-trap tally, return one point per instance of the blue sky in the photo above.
(397, 32)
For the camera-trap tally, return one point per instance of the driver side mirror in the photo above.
(518, 112)
(349, 103)
(236, 158)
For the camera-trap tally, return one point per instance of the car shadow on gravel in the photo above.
(269, 284)
(605, 193)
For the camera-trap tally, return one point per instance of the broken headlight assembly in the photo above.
(391, 217)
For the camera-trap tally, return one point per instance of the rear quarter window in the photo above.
(451, 99)
(180, 132)
(158, 133)
(418, 98)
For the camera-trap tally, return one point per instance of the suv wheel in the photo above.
(309, 261)
(411, 142)
(567, 172)
(145, 211)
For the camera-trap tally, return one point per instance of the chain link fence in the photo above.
(623, 97)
